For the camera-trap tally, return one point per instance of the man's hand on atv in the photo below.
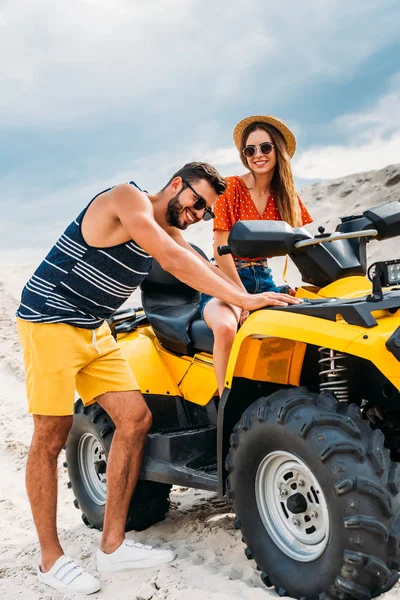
(255, 301)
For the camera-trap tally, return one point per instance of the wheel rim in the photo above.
(92, 465)
(292, 506)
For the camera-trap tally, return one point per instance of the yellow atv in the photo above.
(306, 438)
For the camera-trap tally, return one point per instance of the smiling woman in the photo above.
(265, 192)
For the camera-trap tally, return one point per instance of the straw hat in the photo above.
(288, 136)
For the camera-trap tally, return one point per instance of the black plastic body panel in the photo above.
(385, 219)
(355, 312)
(122, 314)
(181, 448)
(173, 413)
(319, 264)
(187, 458)
(175, 474)
(130, 324)
(125, 320)
(264, 238)
(323, 264)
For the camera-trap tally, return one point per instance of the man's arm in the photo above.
(135, 212)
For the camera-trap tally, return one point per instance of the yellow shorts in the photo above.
(60, 359)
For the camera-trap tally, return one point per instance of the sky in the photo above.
(95, 92)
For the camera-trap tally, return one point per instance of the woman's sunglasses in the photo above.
(200, 203)
(265, 148)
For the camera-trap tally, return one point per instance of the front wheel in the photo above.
(87, 450)
(316, 497)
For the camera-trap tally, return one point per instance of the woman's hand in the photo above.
(255, 301)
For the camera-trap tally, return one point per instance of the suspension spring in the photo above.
(332, 373)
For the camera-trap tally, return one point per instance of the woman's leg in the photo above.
(223, 319)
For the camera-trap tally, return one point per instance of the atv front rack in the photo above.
(357, 311)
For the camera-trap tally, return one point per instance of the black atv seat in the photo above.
(172, 308)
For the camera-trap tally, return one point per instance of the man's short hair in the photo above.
(194, 171)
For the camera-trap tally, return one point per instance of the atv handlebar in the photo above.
(319, 239)
(334, 237)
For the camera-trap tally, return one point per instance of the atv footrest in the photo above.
(182, 458)
(157, 470)
(182, 446)
(209, 468)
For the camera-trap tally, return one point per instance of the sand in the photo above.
(210, 561)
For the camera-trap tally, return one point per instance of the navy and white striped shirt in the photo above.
(83, 285)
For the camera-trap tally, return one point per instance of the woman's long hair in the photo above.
(282, 183)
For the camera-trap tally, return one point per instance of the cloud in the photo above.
(382, 118)
(69, 63)
(330, 162)
(94, 92)
(371, 141)
(75, 61)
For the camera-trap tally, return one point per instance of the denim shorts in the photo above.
(256, 279)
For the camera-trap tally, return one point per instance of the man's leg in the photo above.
(104, 379)
(52, 353)
(132, 419)
(50, 435)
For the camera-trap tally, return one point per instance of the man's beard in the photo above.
(174, 213)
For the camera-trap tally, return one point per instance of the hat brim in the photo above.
(288, 136)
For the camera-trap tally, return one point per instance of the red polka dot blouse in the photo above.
(236, 204)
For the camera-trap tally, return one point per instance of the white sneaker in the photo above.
(67, 577)
(132, 555)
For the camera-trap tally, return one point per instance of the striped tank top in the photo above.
(83, 285)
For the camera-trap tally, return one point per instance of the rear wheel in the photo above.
(87, 450)
(316, 497)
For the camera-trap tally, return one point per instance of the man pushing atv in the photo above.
(96, 264)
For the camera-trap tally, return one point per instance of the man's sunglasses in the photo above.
(265, 148)
(200, 203)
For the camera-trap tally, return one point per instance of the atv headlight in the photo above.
(388, 272)
(393, 271)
